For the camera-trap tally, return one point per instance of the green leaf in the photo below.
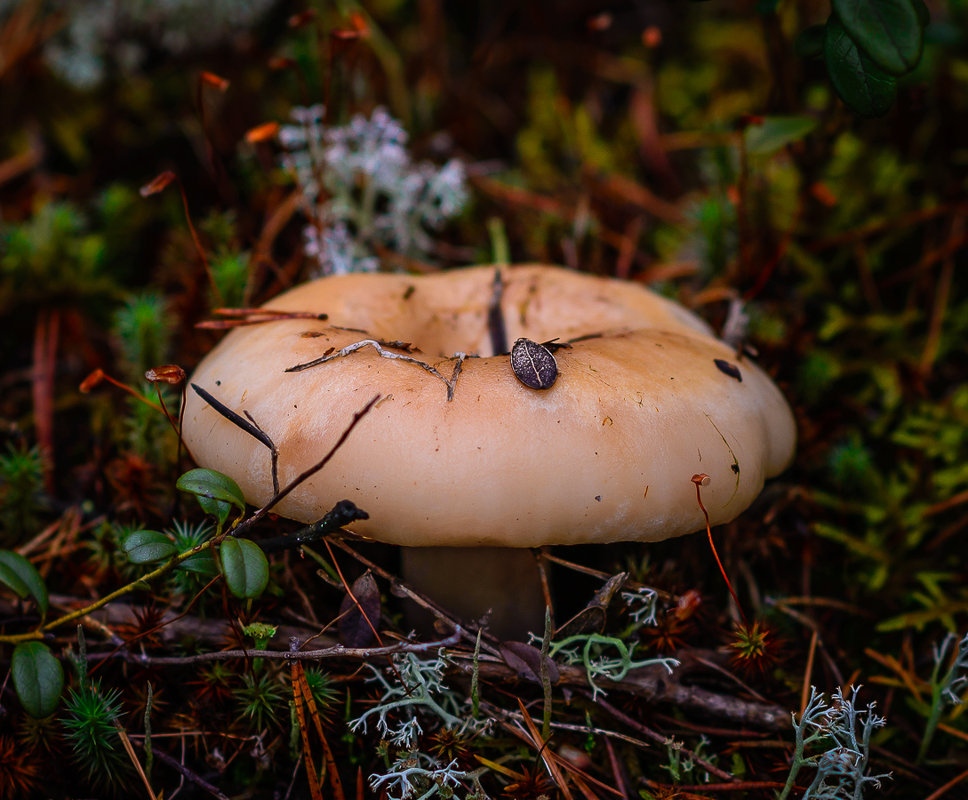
(146, 547)
(244, 566)
(38, 678)
(775, 133)
(216, 492)
(15, 570)
(861, 84)
(12, 581)
(202, 563)
(889, 31)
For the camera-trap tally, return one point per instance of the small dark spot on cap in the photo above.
(410, 290)
(311, 334)
(734, 468)
(598, 497)
(728, 369)
(218, 383)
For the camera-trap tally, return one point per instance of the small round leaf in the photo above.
(207, 483)
(15, 570)
(146, 547)
(862, 85)
(38, 678)
(244, 567)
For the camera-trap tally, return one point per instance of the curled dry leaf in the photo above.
(526, 660)
(157, 184)
(166, 373)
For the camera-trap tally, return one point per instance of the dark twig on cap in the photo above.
(305, 475)
(250, 426)
(495, 317)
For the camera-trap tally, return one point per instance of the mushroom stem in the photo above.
(472, 581)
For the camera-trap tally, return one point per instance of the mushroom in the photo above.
(460, 452)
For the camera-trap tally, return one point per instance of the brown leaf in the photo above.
(355, 629)
(526, 661)
(592, 617)
(166, 373)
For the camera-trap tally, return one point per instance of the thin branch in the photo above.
(658, 738)
(248, 425)
(343, 513)
(255, 316)
(304, 476)
(400, 588)
(384, 353)
(650, 684)
(337, 651)
(198, 780)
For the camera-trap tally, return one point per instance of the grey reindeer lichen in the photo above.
(945, 684)
(364, 191)
(412, 690)
(417, 776)
(418, 687)
(844, 734)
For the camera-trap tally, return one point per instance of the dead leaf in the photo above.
(355, 629)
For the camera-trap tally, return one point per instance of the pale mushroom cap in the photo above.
(606, 454)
